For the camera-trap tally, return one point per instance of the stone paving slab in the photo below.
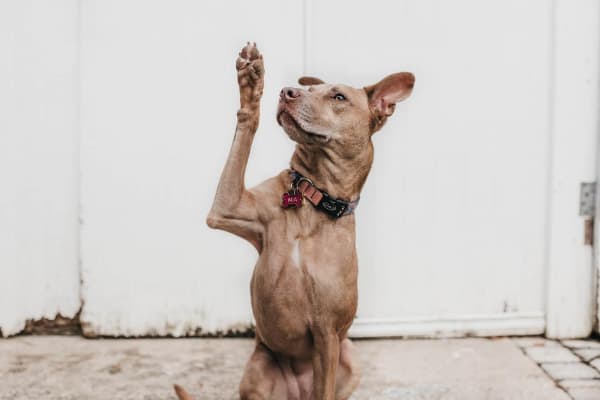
(534, 341)
(578, 370)
(585, 393)
(581, 344)
(587, 355)
(69, 368)
(580, 383)
(550, 354)
(585, 389)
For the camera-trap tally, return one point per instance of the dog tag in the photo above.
(291, 199)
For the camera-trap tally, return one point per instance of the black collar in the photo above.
(320, 199)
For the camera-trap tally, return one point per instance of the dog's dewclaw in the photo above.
(181, 393)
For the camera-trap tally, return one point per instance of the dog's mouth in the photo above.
(286, 119)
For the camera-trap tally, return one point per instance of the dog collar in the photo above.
(303, 187)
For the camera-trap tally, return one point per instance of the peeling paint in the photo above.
(59, 325)
(91, 331)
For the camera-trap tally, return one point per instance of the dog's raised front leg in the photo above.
(234, 207)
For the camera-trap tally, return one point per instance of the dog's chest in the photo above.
(312, 244)
(303, 275)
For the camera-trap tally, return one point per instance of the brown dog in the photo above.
(304, 287)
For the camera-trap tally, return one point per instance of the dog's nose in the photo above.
(289, 93)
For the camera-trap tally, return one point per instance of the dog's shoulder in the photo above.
(267, 194)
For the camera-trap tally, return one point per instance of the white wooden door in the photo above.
(454, 221)
(159, 107)
(39, 271)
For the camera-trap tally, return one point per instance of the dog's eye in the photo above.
(339, 97)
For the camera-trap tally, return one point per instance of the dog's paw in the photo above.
(251, 71)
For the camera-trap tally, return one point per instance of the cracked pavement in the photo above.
(574, 365)
(62, 367)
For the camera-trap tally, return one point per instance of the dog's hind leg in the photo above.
(348, 373)
(325, 363)
(263, 378)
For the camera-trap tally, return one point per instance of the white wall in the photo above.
(478, 160)
(466, 157)
(39, 273)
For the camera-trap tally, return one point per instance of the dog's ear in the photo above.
(309, 81)
(384, 95)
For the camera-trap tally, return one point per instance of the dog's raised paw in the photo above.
(249, 65)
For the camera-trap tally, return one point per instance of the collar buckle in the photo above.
(321, 200)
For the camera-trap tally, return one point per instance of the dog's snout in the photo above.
(289, 93)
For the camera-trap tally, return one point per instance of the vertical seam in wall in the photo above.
(305, 28)
(78, 146)
(550, 155)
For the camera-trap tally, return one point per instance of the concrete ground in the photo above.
(54, 367)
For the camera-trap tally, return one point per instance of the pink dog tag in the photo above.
(292, 199)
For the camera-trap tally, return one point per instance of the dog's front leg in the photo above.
(234, 208)
(325, 363)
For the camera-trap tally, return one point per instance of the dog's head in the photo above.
(339, 116)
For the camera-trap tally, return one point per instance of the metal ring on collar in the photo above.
(302, 178)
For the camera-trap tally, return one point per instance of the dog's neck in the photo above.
(341, 177)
